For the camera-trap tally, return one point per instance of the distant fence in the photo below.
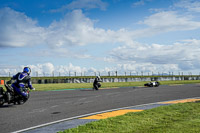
(109, 73)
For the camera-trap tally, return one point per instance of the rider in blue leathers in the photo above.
(22, 79)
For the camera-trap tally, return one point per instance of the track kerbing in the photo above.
(80, 120)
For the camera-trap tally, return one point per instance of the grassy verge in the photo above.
(180, 82)
(177, 118)
(84, 85)
(43, 87)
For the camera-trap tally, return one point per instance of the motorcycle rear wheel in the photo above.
(2, 101)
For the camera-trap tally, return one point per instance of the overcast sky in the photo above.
(87, 36)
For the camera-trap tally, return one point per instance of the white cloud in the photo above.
(6, 70)
(17, 29)
(190, 5)
(76, 29)
(45, 69)
(48, 69)
(64, 52)
(83, 4)
(42, 69)
(140, 2)
(170, 21)
(179, 56)
(148, 68)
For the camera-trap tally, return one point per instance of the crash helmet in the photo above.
(27, 70)
(98, 77)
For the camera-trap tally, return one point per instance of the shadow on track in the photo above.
(7, 106)
(87, 90)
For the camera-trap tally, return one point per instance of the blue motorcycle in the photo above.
(13, 96)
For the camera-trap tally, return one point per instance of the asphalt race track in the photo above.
(49, 106)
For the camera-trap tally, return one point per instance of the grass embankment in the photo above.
(55, 86)
(42, 87)
(177, 118)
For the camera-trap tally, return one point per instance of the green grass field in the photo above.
(176, 118)
(55, 86)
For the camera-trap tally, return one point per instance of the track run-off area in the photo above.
(50, 106)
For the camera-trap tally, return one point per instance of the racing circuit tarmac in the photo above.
(48, 106)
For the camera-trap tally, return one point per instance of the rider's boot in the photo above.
(1, 90)
(97, 88)
(8, 97)
(25, 98)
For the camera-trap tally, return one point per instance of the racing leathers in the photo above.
(22, 80)
(96, 83)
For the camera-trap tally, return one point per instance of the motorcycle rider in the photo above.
(96, 83)
(22, 79)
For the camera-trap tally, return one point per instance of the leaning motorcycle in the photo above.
(15, 98)
(152, 84)
(97, 86)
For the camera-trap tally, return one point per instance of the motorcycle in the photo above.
(12, 94)
(97, 86)
(152, 84)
